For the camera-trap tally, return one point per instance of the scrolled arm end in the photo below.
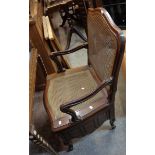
(71, 112)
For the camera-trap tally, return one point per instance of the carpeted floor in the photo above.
(102, 142)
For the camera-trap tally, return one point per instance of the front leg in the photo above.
(112, 118)
(113, 126)
(69, 145)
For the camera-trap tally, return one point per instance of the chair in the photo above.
(79, 100)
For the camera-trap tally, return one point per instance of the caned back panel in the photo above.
(102, 43)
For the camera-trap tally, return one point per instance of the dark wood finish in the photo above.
(103, 109)
(117, 10)
(68, 11)
(54, 55)
(77, 10)
(69, 51)
(50, 7)
(71, 11)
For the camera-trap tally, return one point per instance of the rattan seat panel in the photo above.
(69, 87)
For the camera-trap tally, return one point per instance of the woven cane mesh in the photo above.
(70, 87)
(102, 44)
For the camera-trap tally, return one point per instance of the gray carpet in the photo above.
(102, 142)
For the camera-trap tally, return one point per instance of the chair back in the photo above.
(105, 45)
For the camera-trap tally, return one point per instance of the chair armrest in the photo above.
(54, 55)
(65, 108)
(60, 53)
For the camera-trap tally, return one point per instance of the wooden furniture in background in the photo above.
(36, 35)
(49, 7)
(50, 35)
(37, 39)
(117, 10)
(34, 136)
(79, 100)
(71, 12)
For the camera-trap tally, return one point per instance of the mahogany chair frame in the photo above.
(80, 126)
